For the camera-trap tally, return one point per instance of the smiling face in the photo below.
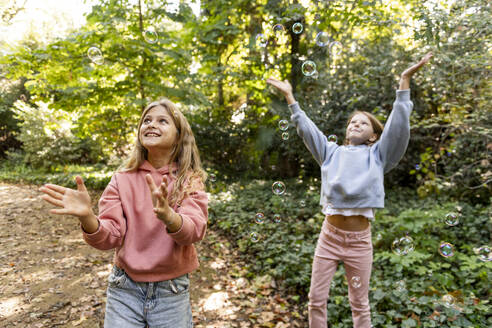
(158, 131)
(360, 130)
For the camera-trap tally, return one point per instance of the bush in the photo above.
(285, 251)
(47, 138)
(95, 177)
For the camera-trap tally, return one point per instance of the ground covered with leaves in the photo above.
(49, 277)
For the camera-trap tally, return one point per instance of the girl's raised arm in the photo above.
(313, 138)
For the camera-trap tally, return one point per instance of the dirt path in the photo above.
(49, 277)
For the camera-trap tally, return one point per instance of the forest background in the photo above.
(65, 112)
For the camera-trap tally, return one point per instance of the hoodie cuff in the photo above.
(294, 108)
(403, 95)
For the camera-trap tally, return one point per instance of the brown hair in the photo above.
(377, 126)
(191, 177)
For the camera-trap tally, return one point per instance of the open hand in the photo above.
(411, 70)
(159, 198)
(282, 86)
(70, 201)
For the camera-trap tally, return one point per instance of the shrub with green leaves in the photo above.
(405, 291)
(47, 138)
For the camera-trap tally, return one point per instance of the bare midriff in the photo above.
(349, 223)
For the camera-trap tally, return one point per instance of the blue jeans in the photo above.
(161, 304)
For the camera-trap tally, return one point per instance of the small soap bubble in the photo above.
(484, 253)
(308, 68)
(451, 219)
(447, 300)
(254, 237)
(285, 136)
(335, 48)
(297, 28)
(278, 187)
(332, 138)
(322, 39)
(446, 249)
(401, 286)
(278, 28)
(261, 40)
(283, 125)
(150, 36)
(356, 282)
(403, 245)
(302, 203)
(259, 218)
(95, 55)
(212, 177)
(417, 167)
(277, 218)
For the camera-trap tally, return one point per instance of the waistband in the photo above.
(349, 234)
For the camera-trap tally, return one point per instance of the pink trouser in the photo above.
(354, 248)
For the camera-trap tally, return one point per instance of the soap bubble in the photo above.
(417, 167)
(400, 286)
(283, 125)
(332, 138)
(278, 187)
(212, 177)
(308, 68)
(285, 136)
(403, 245)
(254, 237)
(278, 28)
(279, 33)
(297, 28)
(447, 300)
(261, 40)
(302, 203)
(335, 48)
(355, 282)
(484, 253)
(451, 219)
(95, 55)
(259, 218)
(150, 36)
(322, 39)
(446, 249)
(277, 218)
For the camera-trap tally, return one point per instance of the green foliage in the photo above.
(9, 93)
(96, 177)
(47, 138)
(285, 251)
(212, 65)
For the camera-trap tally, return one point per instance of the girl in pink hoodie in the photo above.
(152, 211)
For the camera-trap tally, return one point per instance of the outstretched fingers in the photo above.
(53, 200)
(80, 184)
(53, 191)
(164, 186)
(150, 183)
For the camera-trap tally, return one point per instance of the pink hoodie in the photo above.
(127, 222)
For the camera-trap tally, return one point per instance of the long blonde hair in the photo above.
(191, 176)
